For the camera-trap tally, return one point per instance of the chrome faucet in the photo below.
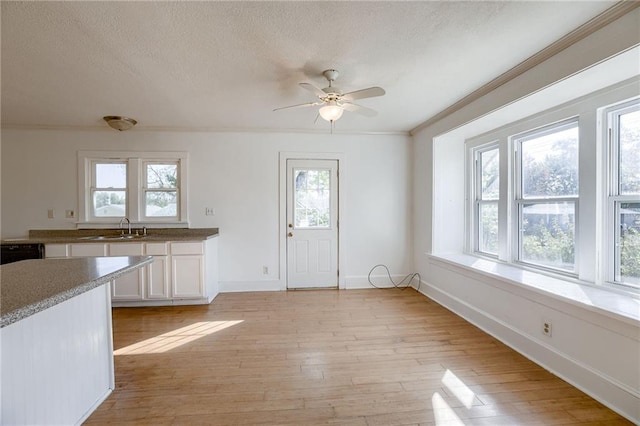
(122, 222)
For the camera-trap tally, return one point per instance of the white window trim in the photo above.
(135, 180)
(611, 194)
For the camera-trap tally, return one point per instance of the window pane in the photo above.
(111, 175)
(550, 165)
(628, 253)
(162, 175)
(109, 203)
(548, 235)
(488, 228)
(629, 151)
(312, 198)
(489, 162)
(161, 203)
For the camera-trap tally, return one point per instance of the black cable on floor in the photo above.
(399, 285)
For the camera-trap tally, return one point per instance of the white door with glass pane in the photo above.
(312, 224)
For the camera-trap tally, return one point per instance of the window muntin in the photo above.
(624, 194)
(108, 189)
(161, 189)
(487, 164)
(546, 196)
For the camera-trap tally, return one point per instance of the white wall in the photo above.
(237, 174)
(596, 352)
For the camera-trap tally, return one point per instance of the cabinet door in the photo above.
(158, 278)
(188, 276)
(129, 286)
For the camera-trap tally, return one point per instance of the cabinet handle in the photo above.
(290, 234)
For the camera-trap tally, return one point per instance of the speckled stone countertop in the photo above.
(64, 236)
(30, 286)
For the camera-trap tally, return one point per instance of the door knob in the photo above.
(290, 234)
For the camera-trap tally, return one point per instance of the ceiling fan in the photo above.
(333, 102)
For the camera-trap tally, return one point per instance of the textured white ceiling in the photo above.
(227, 65)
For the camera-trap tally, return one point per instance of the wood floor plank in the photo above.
(357, 357)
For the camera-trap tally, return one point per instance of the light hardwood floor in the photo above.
(357, 357)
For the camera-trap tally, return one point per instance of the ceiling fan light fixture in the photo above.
(331, 112)
(119, 123)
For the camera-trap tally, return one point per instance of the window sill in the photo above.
(614, 303)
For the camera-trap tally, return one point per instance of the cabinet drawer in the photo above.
(187, 248)
(87, 250)
(126, 249)
(157, 249)
(55, 250)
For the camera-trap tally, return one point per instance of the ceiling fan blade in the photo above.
(300, 105)
(368, 112)
(313, 89)
(370, 92)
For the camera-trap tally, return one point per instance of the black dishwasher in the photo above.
(13, 252)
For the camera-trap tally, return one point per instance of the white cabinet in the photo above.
(129, 286)
(158, 272)
(187, 269)
(182, 272)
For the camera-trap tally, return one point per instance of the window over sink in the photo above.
(145, 187)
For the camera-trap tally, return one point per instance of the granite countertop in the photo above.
(31, 286)
(64, 236)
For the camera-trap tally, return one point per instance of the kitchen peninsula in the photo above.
(56, 337)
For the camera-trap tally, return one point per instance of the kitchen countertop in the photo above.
(31, 286)
(65, 236)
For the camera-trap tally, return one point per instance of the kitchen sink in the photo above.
(112, 237)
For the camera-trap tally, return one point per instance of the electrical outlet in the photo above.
(265, 270)
(50, 214)
(546, 327)
(69, 214)
(209, 211)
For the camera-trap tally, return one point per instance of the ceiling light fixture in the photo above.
(331, 112)
(119, 123)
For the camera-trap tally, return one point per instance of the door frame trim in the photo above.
(282, 194)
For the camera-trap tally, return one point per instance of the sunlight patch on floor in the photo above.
(444, 415)
(458, 388)
(175, 338)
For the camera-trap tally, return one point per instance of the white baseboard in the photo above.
(620, 398)
(380, 281)
(242, 286)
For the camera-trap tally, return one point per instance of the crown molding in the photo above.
(38, 127)
(605, 18)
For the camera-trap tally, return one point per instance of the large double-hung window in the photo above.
(546, 196)
(623, 134)
(559, 192)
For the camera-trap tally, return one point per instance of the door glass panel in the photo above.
(312, 198)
